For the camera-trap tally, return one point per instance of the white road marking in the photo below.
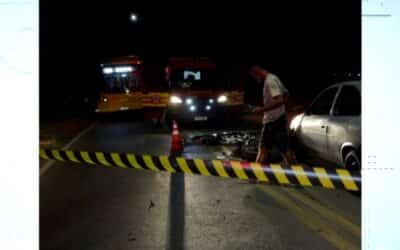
(50, 163)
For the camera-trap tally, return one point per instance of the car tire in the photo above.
(352, 161)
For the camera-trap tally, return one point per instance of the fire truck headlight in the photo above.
(175, 100)
(222, 99)
(105, 99)
(108, 70)
(192, 108)
(211, 100)
(189, 101)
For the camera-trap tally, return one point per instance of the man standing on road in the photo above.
(274, 131)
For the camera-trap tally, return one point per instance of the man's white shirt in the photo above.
(273, 87)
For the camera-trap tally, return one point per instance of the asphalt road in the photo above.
(86, 207)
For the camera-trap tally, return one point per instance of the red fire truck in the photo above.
(201, 90)
(191, 89)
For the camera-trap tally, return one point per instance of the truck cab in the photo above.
(199, 91)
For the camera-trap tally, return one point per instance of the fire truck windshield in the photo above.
(194, 79)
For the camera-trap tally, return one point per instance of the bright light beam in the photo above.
(134, 17)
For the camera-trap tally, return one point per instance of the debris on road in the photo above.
(244, 143)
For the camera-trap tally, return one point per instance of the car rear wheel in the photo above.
(352, 161)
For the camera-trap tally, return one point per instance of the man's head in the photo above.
(258, 73)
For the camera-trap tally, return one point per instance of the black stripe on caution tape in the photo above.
(274, 173)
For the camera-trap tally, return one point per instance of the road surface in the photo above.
(89, 207)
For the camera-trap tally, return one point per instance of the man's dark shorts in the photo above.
(275, 134)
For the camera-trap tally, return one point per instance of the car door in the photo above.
(345, 123)
(313, 127)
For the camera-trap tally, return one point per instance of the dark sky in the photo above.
(303, 42)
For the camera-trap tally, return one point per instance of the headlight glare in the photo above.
(222, 99)
(175, 99)
(108, 70)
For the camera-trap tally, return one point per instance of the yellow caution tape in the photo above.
(297, 175)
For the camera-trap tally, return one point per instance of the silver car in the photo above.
(330, 129)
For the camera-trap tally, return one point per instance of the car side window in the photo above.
(348, 102)
(322, 105)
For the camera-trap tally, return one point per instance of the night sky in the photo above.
(304, 43)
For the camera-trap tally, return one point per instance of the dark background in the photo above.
(305, 43)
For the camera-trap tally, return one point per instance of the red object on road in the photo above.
(177, 144)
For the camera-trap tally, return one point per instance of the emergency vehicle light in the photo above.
(123, 69)
(108, 70)
(189, 101)
(175, 99)
(222, 99)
